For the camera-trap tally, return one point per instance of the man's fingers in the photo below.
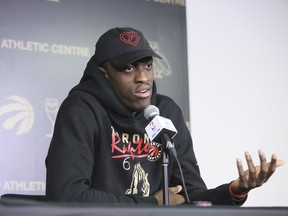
(264, 168)
(279, 163)
(252, 170)
(175, 189)
(263, 161)
(272, 166)
(254, 176)
(240, 168)
(242, 176)
(257, 175)
(174, 197)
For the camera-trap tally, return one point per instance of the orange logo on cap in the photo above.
(131, 38)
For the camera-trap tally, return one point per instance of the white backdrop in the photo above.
(238, 80)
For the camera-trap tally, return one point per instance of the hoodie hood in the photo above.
(95, 83)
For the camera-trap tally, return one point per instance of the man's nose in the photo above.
(142, 75)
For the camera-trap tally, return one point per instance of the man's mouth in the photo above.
(143, 91)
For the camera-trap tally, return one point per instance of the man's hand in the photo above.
(174, 197)
(254, 176)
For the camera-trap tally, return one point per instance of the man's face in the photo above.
(134, 84)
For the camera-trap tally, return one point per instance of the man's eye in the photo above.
(129, 69)
(149, 66)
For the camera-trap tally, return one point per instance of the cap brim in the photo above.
(122, 61)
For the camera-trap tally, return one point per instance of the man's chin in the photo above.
(140, 106)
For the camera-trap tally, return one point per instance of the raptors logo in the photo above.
(155, 151)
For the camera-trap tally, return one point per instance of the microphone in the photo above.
(160, 129)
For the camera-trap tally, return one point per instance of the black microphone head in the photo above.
(150, 111)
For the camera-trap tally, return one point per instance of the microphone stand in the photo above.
(165, 162)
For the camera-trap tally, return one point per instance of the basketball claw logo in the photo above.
(22, 115)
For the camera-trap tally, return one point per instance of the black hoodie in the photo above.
(100, 151)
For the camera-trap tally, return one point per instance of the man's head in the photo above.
(126, 59)
(121, 47)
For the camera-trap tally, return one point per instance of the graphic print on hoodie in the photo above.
(130, 149)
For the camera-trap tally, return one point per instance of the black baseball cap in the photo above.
(121, 47)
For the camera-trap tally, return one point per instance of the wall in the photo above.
(238, 80)
(44, 48)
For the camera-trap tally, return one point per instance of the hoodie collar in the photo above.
(95, 83)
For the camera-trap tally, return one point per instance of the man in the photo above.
(100, 151)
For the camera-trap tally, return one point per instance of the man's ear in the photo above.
(103, 71)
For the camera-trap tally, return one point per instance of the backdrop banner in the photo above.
(44, 48)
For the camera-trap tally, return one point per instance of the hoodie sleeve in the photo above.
(70, 158)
